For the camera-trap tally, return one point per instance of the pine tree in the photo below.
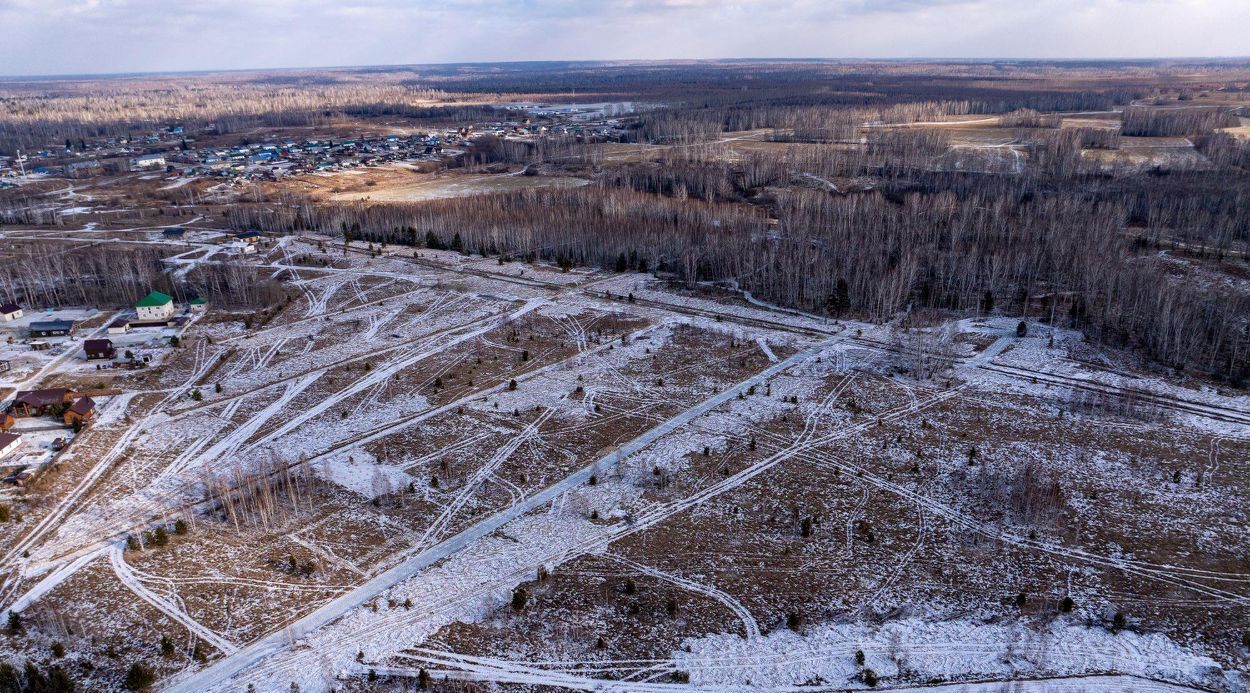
(10, 680)
(139, 677)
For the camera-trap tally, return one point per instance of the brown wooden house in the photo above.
(99, 349)
(79, 412)
(40, 402)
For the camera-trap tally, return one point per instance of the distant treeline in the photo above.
(1146, 121)
(33, 118)
(38, 275)
(945, 241)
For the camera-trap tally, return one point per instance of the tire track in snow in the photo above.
(128, 578)
(748, 620)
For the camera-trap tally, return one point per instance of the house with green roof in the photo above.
(155, 307)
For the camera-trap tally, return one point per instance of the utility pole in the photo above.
(21, 162)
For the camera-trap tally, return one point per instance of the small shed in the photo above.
(119, 326)
(8, 443)
(10, 312)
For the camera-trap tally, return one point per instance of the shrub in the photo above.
(794, 621)
(859, 658)
(139, 677)
(59, 681)
(519, 598)
(870, 678)
(58, 650)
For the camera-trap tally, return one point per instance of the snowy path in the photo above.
(134, 584)
(51, 580)
(484, 669)
(766, 349)
(383, 374)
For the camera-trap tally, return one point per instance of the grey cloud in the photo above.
(70, 36)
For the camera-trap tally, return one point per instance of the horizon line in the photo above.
(69, 76)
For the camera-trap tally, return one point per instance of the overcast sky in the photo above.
(93, 36)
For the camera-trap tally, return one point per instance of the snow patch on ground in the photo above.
(360, 473)
(948, 650)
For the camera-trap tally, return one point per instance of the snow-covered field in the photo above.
(512, 474)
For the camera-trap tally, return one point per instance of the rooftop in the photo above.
(154, 299)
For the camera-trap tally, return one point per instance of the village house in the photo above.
(119, 326)
(39, 402)
(10, 311)
(147, 162)
(84, 169)
(79, 412)
(99, 349)
(198, 304)
(155, 307)
(248, 237)
(8, 443)
(51, 328)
